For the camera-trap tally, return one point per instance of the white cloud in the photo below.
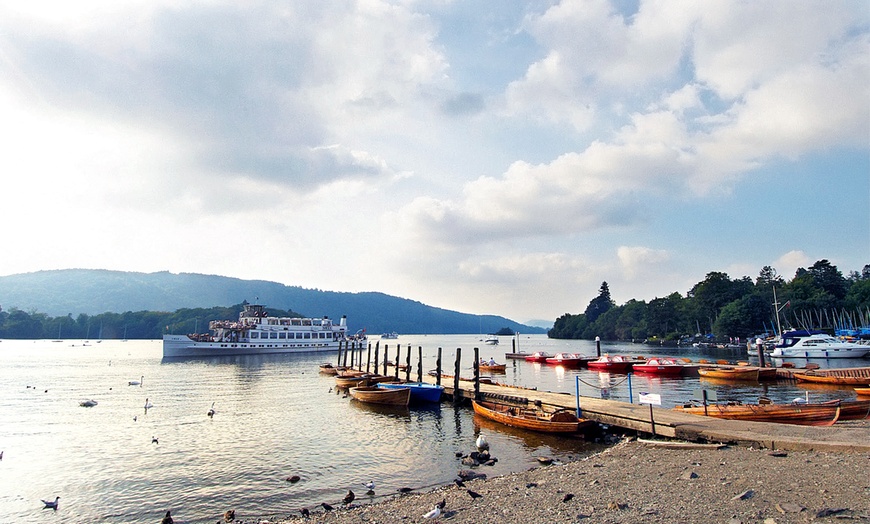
(636, 259)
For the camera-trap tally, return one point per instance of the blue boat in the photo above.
(420, 391)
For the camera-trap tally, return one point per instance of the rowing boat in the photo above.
(376, 395)
(420, 391)
(730, 373)
(349, 382)
(535, 419)
(822, 414)
(841, 377)
(862, 392)
(493, 368)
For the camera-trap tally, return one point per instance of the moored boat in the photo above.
(659, 366)
(351, 381)
(519, 355)
(558, 421)
(568, 360)
(538, 356)
(420, 391)
(328, 369)
(491, 340)
(806, 344)
(804, 414)
(378, 395)
(389, 336)
(256, 333)
(611, 363)
(840, 377)
(862, 392)
(730, 372)
(493, 368)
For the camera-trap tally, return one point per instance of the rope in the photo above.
(599, 387)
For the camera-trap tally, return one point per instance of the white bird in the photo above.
(137, 382)
(436, 511)
(370, 485)
(211, 411)
(50, 504)
(148, 404)
(481, 443)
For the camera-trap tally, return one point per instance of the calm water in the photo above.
(276, 417)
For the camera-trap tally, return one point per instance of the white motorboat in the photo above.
(805, 344)
(256, 333)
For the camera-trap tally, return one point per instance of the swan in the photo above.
(148, 404)
(50, 504)
(137, 382)
(211, 411)
(88, 403)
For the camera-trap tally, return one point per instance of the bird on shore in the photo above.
(481, 443)
(441, 504)
(436, 511)
(326, 506)
(567, 497)
(459, 483)
(167, 519)
(305, 512)
(51, 505)
(349, 497)
(230, 515)
(473, 494)
(211, 411)
(370, 485)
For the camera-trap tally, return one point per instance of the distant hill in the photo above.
(95, 291)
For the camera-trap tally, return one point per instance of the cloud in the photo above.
(636, 259)
(788, 263)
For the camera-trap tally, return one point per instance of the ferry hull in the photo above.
(184, 346)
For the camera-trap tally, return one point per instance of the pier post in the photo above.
(345, 353)
(438, 368)
(338, 362)
(476, 374)
(369, 357)
(513, 345)
(760, 346)
(408, 365)
(457, 394)
(376, 362)
(398, 356)
(419, 363)
(386, 358)
(598, 345)
(352, 351)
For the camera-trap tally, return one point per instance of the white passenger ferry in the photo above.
(257, 333)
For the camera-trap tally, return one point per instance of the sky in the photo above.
(499, 158)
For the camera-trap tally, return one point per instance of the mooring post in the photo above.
(386, 358)
(352, 351)
(376, 361)
(408, 365)
(598, 345)
(398, 356)
(369, 357)
(438, 368)
(338, 362)
(344, 362)
(419, 363)
(577, 392)
(513, 345)
(652, 422)
(457, 393)
(476, 374)
(760, 346)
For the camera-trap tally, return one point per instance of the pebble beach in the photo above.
(639, 482)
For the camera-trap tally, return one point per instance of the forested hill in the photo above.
(91, 292)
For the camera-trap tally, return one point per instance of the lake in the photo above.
(276, 417)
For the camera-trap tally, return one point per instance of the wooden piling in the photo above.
(419, 363)
(408, 365)
(476, 374)
(345, 354)
(457, 393)
(352, 351)
(438, 368)
(338, 360)
(386, 358)
(368, 357)
(598, 345)
(377, 348)
(398, 356)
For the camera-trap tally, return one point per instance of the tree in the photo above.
(600, 304)
(828, 277)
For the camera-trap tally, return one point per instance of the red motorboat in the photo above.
(612, 364)
(538, 356)
(568, 360)
(659, 366)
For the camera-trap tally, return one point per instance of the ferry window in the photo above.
(273, 335)
(299, 335)
(307, 335)
(282, 335)
(254, 334)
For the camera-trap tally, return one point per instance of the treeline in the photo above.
(819, 297)
(18, 324)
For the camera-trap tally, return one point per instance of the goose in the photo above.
(51, 505)
(211, 411)
(137, 382)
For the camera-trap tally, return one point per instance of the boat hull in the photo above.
(563, 422)
(184, 346)
(378, 395)
(742, 373)
(824, 414)
(498, 368)
(669, 371)
(832, 379)
(420, 391)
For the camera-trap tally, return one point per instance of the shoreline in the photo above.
(636, 482)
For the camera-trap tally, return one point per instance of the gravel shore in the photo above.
(635, 482)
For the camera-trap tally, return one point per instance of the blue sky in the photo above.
(493, 161)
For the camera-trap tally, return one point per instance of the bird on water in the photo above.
(51, 505)
(167, 519)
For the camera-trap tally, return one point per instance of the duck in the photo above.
(154, 440)
(230, 515)
(137, 382)
(88, 403)
(51, 505)
(167, 519)
(349, 497)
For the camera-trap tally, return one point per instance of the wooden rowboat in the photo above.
(376, 395)
(558, 421)
(862, 392)
(349, 382)
(496, 368)
(842, 377)
(328, 369)
(730, 373)
(823, 414)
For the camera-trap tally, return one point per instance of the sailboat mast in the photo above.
(776, 308)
